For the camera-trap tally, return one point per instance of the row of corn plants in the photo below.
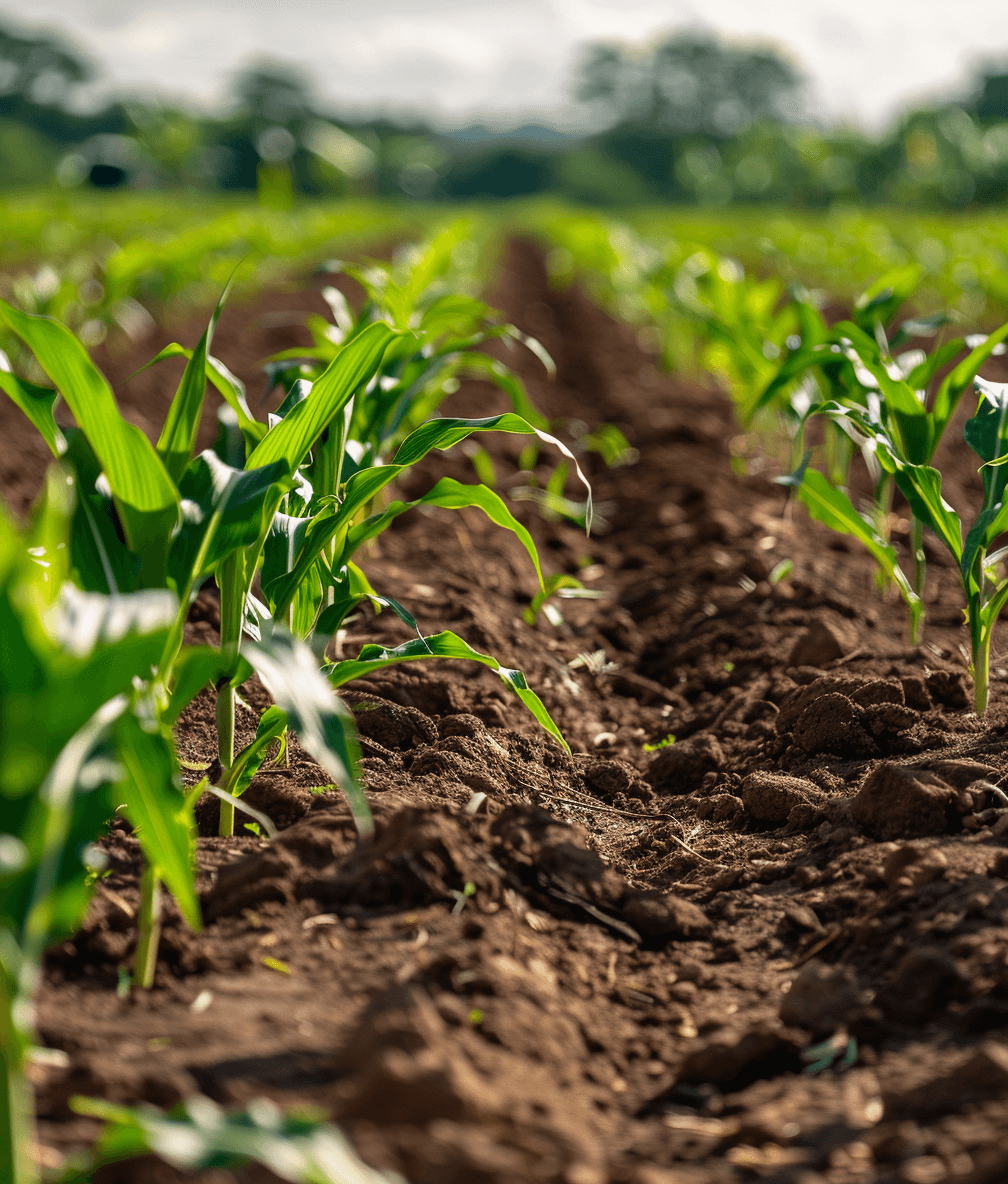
(96, 595)
(783, 365)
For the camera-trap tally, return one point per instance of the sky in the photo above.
(511, 60)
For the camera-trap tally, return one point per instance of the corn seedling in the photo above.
(887, 398)
(81, 662)
(984, 585)
(197, 1136)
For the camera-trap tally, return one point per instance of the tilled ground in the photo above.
(775, 949)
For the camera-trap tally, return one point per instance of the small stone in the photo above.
(727, 808)
(924, 982)
(980, 1076)
(821, 997)
(733, 1061)
(832, 723)
(802, 916)
(899, 801)
(668, 917)
(913, 866)
(825, 640)
(770, 797)
(681, 767)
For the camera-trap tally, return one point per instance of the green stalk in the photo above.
(225, 750)
(920, 573)
(980, 640)
(145, 962)
(231, 582)
(17, 1118)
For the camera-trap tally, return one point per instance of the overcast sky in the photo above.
(459, 59)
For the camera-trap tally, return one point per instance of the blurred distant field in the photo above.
(94, 258)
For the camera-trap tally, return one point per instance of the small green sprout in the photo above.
(666, 743)
(780, 572)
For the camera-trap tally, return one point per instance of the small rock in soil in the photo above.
(912, 866)
(610, 780)
(821, 998)
(980, 1076)
(731, 1062)
(832, 723)
(899, 801)
(667, 917)
(825, 640)
(924, 983)
(770, 797)
(681, 767)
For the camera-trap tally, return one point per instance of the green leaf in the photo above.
(323, 724)
(195, 668)
(272, 726)
(224, 510)
(958, 381)
(37, 403)
(552, 585)
(921, 486)
(442, 645)
(355, 364)
(444, 433)
(138, 479)
(178, 436)
(835, 510)
(155, 807)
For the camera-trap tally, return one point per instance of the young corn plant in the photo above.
(79, 739)
(984, 585)
(157, 517)
(903, 399)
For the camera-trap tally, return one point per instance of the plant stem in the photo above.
(980, 640)
(17, 1127)
(145, 962)
(920, 572)
(917, 546)
(225, 750)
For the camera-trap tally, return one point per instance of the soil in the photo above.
(774, 949)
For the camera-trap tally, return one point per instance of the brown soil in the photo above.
(654, 943)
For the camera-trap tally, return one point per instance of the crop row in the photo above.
(886, 381)
(95, 592)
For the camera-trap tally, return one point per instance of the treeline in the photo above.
(687, 120)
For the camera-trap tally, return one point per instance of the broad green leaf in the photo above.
(223, 510)
(230, 387)
(138, 479)
(921, 486)
(355, 364)
(958, 381)
(987, 434)
(835, 510)
(442, 645)
(155, 807)
(37, 403)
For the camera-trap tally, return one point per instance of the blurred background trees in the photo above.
(689, 119)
